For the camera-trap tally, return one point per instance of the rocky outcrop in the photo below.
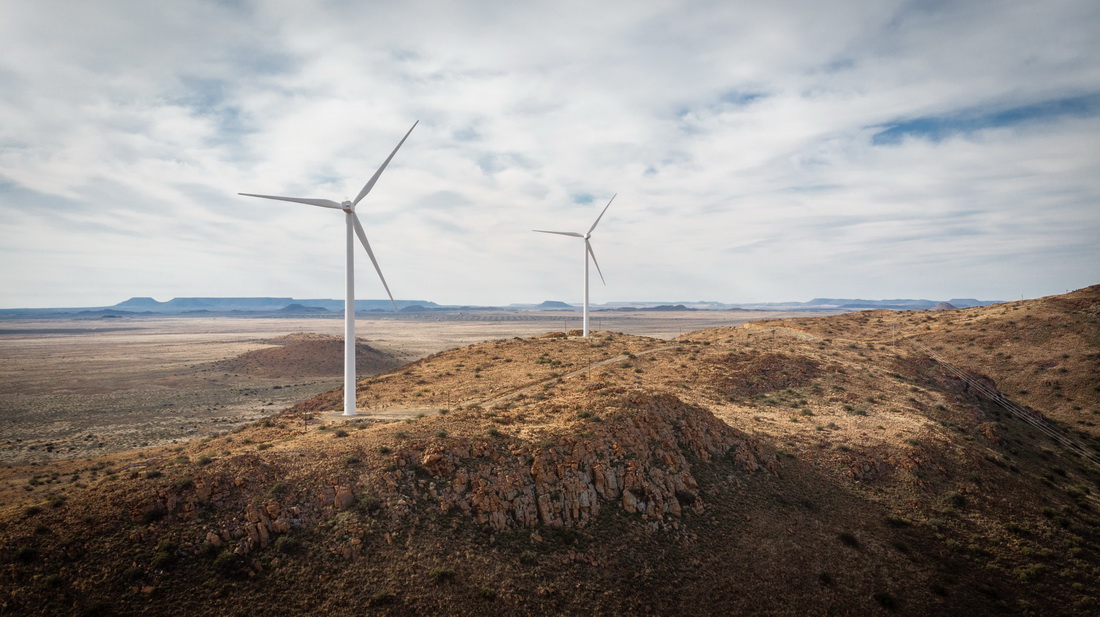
(636, 456)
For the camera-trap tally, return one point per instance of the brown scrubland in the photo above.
(866, 463)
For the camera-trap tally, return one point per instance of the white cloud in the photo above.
(738, 135)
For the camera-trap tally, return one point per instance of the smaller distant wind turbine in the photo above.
(354, 228)
(587, 252)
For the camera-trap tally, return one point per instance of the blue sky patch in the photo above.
(939, 128)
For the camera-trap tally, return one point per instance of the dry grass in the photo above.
(889, 485)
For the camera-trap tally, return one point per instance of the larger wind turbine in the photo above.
(354, 228)
(587, 252)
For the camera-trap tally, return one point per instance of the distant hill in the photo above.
(667, 308)
(242, 306)
(662, 308)
(307, 355)
(262, 304)
(298, 308)
(896, 304)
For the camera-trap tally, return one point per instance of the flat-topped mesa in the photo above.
(636, 458)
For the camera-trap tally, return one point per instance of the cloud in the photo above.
(760, 151)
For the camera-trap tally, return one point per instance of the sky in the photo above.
(759, 151)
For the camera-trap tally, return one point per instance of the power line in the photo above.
(1030, 416)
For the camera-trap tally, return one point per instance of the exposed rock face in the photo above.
(636, 459)
(343, 498)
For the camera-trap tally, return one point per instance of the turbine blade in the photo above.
(370, 183)
(324, 203)
(601, 214)
(560, 233)
(589, 246)
(363, 238)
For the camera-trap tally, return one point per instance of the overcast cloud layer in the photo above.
(761, 151)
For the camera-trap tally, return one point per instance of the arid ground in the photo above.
(874, 463)
(76, 387)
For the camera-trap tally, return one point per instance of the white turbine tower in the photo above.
(354, 228)
(587, 252)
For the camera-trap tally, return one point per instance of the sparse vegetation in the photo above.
(912, 473)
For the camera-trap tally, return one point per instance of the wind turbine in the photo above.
(587, 252)
(354, 228)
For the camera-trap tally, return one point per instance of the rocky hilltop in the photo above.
(877, 462)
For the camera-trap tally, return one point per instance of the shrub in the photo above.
(340, 433)
(153, 473)
(230, 565)
(848, 539)
(368, 504)
(898, 521)
(98, 607)
(1028, 573)
(288, 545)
(26, 554)
(441, 575)
(886, 600)
(382, 598)
(162, 560)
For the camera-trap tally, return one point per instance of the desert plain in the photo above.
(73, 387)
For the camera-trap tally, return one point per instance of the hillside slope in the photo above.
(801, 467)
(307, 355)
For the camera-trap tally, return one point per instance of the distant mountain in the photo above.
(970, 302)
(298, 309)
(282, 305)
(138, 304)
(667, 308)
(894, 304)
(261, 304)
(180, 305)
(365, 305)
